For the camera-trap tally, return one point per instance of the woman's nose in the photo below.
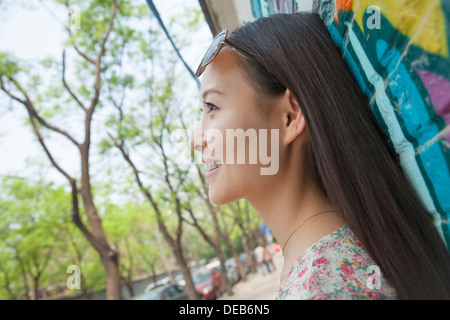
(196, 140)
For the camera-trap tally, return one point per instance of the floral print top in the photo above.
(335, 267)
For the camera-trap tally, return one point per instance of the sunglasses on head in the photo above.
(216, 45)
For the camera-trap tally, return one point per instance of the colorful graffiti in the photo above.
(399, 53)
(266, 8)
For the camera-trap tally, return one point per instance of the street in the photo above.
(258, 286)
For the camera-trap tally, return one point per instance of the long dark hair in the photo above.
(349, 156)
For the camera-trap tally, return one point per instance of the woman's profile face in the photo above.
(231, 115)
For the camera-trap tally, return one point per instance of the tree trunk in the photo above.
(220, 254)
(36, 288)
(162, 255)
(24, 275)
(223, 272)
(154, 275)
(226, 236)
(109, 257)
(192, 293)
(235, 255)
(110, 264)
(245, 245)
(178, 254)
(215, 243)
(128, 282)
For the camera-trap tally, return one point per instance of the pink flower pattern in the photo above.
(334, 268)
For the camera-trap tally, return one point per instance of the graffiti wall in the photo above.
(399, 53)
(268, 7)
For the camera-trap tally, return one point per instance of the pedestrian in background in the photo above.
(261, 257)
(268, 258)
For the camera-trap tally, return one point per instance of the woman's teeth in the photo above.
(212, 165)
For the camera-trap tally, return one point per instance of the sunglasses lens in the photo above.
(212, 50)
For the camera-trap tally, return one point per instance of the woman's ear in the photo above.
(294, 124)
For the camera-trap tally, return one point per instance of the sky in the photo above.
(32, 33)
(17, 144)
(21, 33)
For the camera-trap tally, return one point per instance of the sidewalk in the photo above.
(258, 286)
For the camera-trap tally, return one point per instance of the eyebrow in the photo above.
(209, 91)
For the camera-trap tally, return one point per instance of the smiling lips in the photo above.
(212, 166)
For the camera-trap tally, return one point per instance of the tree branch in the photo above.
(65, 83)
(32, 114)
(82, 54)
(78, 50)
(32, 111)
(98, 70)
(2, 86)
(76, 219)
(206, 236)
(98, 62)
(120, 145)
(108, 32)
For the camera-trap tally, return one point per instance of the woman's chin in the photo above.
(217, 200)
(220, 199)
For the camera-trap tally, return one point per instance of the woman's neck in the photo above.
(291, 201)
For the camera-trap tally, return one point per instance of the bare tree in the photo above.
(173, 241)
(94, 233)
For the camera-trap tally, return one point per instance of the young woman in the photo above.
(349, 223)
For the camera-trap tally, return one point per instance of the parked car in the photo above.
(180, 279)
(214, 266)
(165, 292)
(213, 263)
(207, 283)
(156, 284)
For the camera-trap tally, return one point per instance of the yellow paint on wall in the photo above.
(423, 21)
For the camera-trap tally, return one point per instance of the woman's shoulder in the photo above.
(335, 267)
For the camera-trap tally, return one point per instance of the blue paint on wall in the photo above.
(414, 117)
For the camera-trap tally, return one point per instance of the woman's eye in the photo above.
(210, 107)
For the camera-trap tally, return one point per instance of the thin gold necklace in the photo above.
(301, 225)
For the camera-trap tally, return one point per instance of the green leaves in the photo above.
(9, 67)
(31, 217)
